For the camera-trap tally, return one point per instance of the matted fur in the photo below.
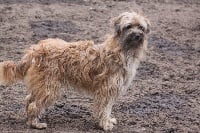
(103, 71)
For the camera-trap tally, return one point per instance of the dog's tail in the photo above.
(11, 72)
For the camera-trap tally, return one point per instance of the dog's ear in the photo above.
(116, 23)
(148, 25)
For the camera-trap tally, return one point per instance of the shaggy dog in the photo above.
(103, 71)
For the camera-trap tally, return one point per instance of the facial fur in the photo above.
(131, 28)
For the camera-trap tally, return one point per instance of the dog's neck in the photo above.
(111, 44)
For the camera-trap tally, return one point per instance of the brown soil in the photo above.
(165, 96)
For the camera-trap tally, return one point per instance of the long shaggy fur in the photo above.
(103, 71)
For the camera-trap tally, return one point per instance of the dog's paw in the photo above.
(108, 124)
(113, 120)
(37, 125)
(41, 125)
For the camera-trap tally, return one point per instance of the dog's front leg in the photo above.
(103, 106)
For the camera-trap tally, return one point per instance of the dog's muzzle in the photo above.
(137, 37)
(134, 38)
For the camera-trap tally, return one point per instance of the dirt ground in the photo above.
(165, 95)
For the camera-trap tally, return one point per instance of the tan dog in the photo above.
(103, 71)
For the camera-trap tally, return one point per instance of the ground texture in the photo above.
(165, 95)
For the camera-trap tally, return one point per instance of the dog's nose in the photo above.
(138, 36)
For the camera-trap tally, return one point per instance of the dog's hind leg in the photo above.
(27, 102)
(37, 101)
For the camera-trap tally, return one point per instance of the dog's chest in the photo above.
(130, 72)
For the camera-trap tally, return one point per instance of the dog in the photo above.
(103, 71)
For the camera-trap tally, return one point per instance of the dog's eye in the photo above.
(127, 27)
(141, 28)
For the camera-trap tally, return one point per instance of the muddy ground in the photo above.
(165, 95)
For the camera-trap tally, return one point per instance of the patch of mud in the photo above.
(148, 70)
(166, 46)
(170, 48)
(68, 111)
(80, 2)
(196, 28)
(62, 114)
(53, 29)
(154, 103)
(170, 1)
(167, 110)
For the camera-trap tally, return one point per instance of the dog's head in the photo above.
(131, 29)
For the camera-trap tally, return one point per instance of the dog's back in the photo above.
(74, 64)
(46, 51)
